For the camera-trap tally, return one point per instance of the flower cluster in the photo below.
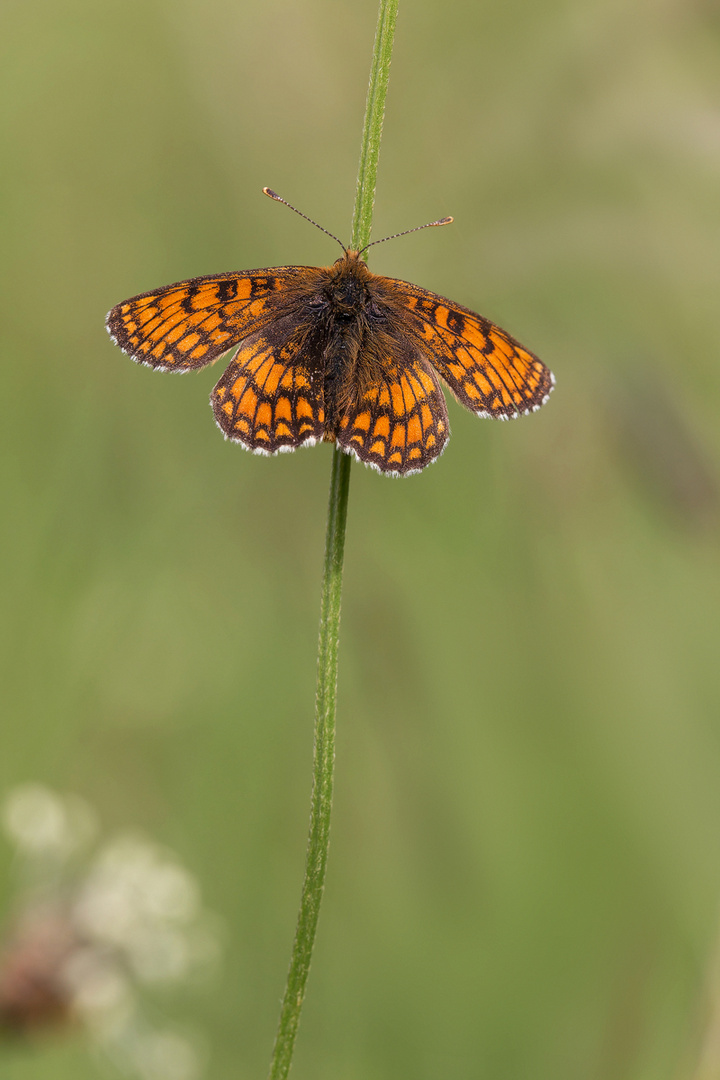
(95, 924)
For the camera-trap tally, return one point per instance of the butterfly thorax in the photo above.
(346, 287)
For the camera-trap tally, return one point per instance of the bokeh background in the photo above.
(525, 866)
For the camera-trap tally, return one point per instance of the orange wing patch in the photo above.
(188, 325)
(486, 369)
(398, 423)
(268, 399)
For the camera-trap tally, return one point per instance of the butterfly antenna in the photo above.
(274, 195)
(430, 225)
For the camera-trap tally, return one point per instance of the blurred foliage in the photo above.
(525, 867)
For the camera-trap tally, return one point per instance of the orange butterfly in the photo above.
(335, 353)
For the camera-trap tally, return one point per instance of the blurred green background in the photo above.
(525, 867)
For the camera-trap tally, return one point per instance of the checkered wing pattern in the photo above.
(270, 399)
(397, 419)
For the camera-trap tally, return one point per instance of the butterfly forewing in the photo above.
(188, 325)
(486, 369)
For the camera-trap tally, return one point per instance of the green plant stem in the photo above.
(324, 759)
(373, 125)
(325, 703)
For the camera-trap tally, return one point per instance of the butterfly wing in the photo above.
(394, 417)
(486, 369)
(271, 396)
(185, 326)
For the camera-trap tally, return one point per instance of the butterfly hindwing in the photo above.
(185, 326)
(397, 420)
(486, 369)
(270, 398)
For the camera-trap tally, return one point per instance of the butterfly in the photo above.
(333, 353)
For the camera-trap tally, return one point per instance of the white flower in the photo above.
(106, 925)
(164, 1055)
(42, 823)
